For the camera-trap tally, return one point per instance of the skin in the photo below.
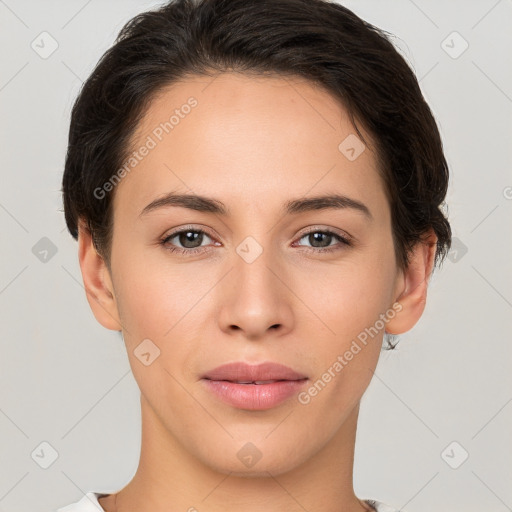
(252, 143)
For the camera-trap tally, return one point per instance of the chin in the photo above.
(255, 460)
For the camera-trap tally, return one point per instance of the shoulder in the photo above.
(381, 507)
(88, 503)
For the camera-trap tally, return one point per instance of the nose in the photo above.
(256, 298)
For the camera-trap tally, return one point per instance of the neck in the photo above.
(169, 478)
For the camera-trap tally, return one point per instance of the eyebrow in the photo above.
(295, 206)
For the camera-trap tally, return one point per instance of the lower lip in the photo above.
(255, 397)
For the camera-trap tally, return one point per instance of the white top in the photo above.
(89, 503)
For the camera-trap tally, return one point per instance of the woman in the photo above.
(255, 188)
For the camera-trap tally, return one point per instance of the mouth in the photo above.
(244, 373)
(254, 387)
(257, 382)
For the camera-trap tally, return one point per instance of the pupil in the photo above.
(317, 237)
(189, 237)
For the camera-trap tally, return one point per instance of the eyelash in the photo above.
(164, 242)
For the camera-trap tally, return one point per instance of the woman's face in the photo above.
(265, 281)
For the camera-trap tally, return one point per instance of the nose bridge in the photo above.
(255, 298)
(254, 252)
(253, 261)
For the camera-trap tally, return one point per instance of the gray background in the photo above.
(65, 380)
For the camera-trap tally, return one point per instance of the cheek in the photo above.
(170, 305)
(161, 305)
(347, 329)
(347, 298)
(346, 339)
(154, 293)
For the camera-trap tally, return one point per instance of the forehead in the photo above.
(227, 134)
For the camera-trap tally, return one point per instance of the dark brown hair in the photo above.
(319, 40)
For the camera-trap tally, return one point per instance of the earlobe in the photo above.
(97, 281)
(415, 278)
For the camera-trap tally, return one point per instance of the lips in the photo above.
(254, 387)
(261, 374)
(259, 382)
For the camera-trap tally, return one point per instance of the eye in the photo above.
(321, 240)
(190, 239)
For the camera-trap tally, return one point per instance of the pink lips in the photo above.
(254, 387)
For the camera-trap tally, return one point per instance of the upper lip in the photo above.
(244, 372)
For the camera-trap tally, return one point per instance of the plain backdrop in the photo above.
(434, 428)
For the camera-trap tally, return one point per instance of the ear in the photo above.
(412, 288)
(97, 281)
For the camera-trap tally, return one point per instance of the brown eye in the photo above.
(318, 237)
(190, 241)
(322, 240)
